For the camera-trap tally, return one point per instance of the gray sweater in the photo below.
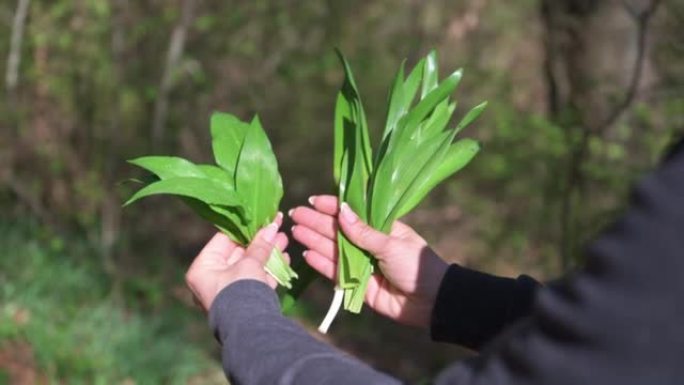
(618, 321)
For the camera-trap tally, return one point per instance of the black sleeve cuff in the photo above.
(472, 307)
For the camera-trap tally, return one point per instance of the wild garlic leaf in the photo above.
(227, 136)
(456, 157)
(224, 218)
(202, 189)
(415, 154)
(168, 166)
(257, 179)
(471, 116)
(430, 74)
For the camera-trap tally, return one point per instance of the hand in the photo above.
(411, 271)
(222, 262)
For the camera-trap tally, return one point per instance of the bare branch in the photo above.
(642, 19)
(174, 53)
(14, 58)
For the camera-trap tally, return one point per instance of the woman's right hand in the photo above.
(406, 289)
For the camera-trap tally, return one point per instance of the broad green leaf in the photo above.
(257, 179)
(232, 228)
(227, 136)
(216, 173)
(202, 189)
(168, 166)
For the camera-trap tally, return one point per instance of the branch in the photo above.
(642, 19)
(174, 53)
(14, 58)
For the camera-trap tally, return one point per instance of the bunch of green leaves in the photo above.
(417, 151)
(239, 195)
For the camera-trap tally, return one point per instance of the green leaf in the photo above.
(257, 179)
(168, 166)
(412, 83)
(457, 156)
(227, 136)
(216, 173)
(202, 189)
(227, 221)
(342, 118)
(430, 74)
(397, 107)
(473, 114)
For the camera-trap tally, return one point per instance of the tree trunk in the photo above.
(596, 54)
(173, 56)
(14, 57)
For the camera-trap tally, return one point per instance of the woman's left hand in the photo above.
(222, 262)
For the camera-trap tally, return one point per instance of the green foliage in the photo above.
(58, 302)
(238, 197)
(416, 153)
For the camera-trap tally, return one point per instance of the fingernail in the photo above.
(292, 229)
(270, 232)
(312, 199)
(279, 216)
(289, 213)
(304, 253)
(347, 214)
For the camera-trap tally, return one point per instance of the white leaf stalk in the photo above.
(335, 306)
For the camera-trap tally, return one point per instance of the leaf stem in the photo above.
(335, 306)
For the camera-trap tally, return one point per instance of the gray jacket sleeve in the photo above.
(262, 347)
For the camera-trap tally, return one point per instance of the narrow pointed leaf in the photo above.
(473, 114)
(457, 157)
(430, 74)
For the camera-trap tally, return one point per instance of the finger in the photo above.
(235, 256)
(325, 224)
(278, 219)
(270, 281)
(219, 247)
(404, 231)
(281, 241)
(322, 264)
(262, 244)
(286, 258)
(361, 234)
(327, 204)
(315, 241)
(373, 289)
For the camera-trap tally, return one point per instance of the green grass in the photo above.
(78, 333)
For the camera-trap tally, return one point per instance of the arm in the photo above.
(473, 307)
(260, 346)
(618, 320)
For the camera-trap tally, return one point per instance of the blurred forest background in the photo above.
(584, 97)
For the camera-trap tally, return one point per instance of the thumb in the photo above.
(360, 233)
(263, 243)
